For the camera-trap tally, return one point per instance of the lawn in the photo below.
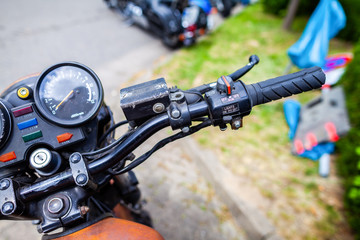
(296, 200)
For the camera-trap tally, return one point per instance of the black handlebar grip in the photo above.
(287, 85)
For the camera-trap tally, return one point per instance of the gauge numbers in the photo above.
(69, 94)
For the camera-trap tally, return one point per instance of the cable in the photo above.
(112, 121)
(112, 128)
(113, 144)
(193, 92)
(161, 144)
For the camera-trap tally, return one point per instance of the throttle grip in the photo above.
(285, 86)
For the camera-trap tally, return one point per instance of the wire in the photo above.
(193, 92)
(112, 128)
(161, 144)
(113, 144)
(112, 121)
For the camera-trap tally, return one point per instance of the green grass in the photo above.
(262, 145)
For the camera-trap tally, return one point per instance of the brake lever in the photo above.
(253, 60)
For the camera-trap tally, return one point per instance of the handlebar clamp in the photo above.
(80, 172)
(179, 115)
(8, 203)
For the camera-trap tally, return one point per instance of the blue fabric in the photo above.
(312, 47)
(292, 114)
(204, 4)
(316, 152)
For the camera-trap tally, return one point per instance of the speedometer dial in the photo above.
(5, 124)
(68, 94)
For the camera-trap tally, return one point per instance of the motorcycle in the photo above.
(224, 7)
(196, 20)
(61, 166)
(175, 22)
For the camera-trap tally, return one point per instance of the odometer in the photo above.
(68, 94)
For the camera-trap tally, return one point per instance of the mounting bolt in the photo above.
(75, 158)
(4, 184)
(185, 129)
(175, 113)
(158, 107)
(55, 205)
(81, 179)
(7, 208)
(84, 210)
(237, 124)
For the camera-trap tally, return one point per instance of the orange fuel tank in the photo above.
(114, 229)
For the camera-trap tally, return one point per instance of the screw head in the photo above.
(7, 208)
(55, 205)
(84, 210)
(175, 113)
(4, 184)
(158, 107)
(81, 179)
(185, 129)
(75, 158)
(237, 124)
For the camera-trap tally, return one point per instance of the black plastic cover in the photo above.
(138, 102)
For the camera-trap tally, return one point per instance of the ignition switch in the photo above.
(45, 162)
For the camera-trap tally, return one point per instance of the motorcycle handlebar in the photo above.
(258, 93)
(285, 86)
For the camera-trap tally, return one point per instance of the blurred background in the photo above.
(259, 162)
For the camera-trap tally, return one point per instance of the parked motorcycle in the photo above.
(196, 20)
(175, 22)
(224, 7)
(61, 166)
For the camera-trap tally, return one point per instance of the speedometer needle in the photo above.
(67, 96)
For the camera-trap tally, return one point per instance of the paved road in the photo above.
(35, 34)
(38, 33)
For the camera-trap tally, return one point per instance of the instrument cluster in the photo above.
(50, 110)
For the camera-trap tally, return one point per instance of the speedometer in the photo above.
(68, 94)
(5, 124)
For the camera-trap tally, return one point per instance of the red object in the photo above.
(8, 157)
(326, 86)
(312, 139)
(299, 146)
(191, 28)
(64, 137)
(227, 85)
(331, 130)
(23, 111)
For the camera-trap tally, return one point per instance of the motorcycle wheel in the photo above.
(227, 6)
(171, 41)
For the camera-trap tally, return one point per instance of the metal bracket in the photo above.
(80, 172)
(7, 197)
(179, 115)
